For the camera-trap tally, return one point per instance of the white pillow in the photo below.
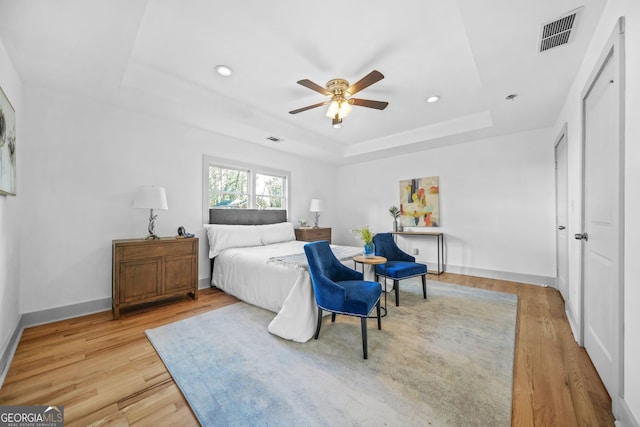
(222, 237)
(276, 233)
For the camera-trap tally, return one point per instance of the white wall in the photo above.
(9, 241)
(571, 114)
(497, 203)
(82, 164)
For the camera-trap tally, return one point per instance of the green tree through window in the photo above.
(269, 191)
(228, 188)
(245, 187)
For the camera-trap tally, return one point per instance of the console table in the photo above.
(439, 240)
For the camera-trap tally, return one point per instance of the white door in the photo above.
(562, 242)
(602, 236)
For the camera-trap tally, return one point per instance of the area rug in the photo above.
(445, 361)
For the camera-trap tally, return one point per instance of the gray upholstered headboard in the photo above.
(247, 216)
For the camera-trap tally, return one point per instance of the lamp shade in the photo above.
(333, 109)
(315, 205)
(151, 197)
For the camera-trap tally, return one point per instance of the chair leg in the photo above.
(333, 317)
(395, 286)
(319, 323)
(379, 317)
(424, 285)
(363, 322)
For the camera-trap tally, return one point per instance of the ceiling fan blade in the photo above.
(309, 107)
(378, 105)
(365, 82)
(314, 86)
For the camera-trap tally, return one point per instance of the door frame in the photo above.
(562, 136)
(615, 44)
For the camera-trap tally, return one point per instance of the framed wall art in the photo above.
(7, 146)
(420, 202)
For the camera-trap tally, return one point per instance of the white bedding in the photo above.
(247, 274)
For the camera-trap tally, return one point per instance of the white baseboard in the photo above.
(204, 283)
(75, 310)
(502, 275)
(622, 412)
(66, 312)
(573, 323)
(6, 354)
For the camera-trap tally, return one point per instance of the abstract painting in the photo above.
(7, 146)
(419, 202)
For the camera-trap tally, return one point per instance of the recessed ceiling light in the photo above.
(511, 97)
(224, 70)
(432, 99)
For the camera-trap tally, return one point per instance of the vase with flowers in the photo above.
(395, 213)
(366, 235)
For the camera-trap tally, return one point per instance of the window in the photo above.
(228, 188)
(270, 191)
(229, 185)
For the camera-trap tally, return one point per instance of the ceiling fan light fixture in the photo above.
(340, 91)
(339, 107)
(333, 109)
(345, 109)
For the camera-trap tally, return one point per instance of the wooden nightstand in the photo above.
(149, 270)
(313, 234)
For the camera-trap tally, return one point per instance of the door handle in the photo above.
(582, 236)
(561, 227)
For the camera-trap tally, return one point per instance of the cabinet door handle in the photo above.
(561, 227)
(582, 236)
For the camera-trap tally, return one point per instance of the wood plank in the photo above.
(105, 372)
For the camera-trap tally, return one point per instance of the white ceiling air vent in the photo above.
(559, 31)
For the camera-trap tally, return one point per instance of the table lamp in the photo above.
(316, 206)
(151, 197)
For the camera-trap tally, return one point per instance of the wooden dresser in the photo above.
(149, 270)
(313, 234)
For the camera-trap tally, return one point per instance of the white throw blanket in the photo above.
(343, 253)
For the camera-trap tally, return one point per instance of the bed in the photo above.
(256, 258)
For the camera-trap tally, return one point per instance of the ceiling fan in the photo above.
(340, 92)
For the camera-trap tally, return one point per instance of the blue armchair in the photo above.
(339, 289)
(400, 265)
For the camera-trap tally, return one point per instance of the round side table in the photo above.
(373, 260)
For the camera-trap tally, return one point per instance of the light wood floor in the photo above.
(106, 372)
